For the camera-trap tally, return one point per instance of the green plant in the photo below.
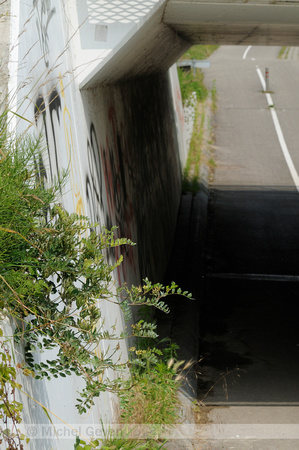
(214, 96)
(53, 275)
(212, 163)
(283, 52)
(10, 408)
(152, 399)
(199, 51)
(118, 440)
(195, 93)
(191, 173)
(190, 83)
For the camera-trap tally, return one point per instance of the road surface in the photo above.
(249, 323)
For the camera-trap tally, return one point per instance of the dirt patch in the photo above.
(201, 414)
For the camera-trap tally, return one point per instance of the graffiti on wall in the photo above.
(40, 108)
(53, 118)
(44, 14)
(51, 110)
(106, 185)
(99, 157)
(94, 179)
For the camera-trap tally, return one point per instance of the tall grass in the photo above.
(189, 82)
(23, 201)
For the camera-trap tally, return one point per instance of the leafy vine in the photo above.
(53, 274)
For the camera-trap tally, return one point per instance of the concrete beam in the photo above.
(151, 48)
(173, 26)
(258, 22)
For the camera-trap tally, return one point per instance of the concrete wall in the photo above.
(133, 176)
(123, 147)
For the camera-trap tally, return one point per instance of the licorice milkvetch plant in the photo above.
(54, 273)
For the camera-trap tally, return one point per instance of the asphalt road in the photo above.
(250, 332)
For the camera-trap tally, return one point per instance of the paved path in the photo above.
(250, 321)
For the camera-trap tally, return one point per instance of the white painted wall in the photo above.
(44, 76)
(53, 44)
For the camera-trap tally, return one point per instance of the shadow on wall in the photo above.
(134, 173)
(186, 268)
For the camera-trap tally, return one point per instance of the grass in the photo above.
(198, 152)
(148, 402)
(199, 52)
(123, 440)
(214, 97)
(283, 52)
(153, 397)
(189, 85)
(191, 174)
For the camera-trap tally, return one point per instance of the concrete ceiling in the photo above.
(233, 22)
(174, 25)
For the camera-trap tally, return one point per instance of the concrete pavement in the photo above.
(250, 346)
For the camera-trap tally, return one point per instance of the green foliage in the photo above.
(194, 93)
(152, 399)
(148, 398)
(214, 97)
(54, 290)
(53, 276)
(118, 440)
(191, 173)
(199, 51)
(283, 52)
(121, 441)
(190, 83)
(10, 408)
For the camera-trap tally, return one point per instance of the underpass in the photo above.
(249, 333)
(112, 112)
(160, 31)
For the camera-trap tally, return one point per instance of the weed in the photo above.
(190, 182)
(119, 440)
(214, 97)
(283, 52)
(152, 398)
(212, 162)
(190, 83)
(199, 51)
(195, 93)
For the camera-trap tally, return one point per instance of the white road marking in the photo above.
(279, 133)
(246, 51)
